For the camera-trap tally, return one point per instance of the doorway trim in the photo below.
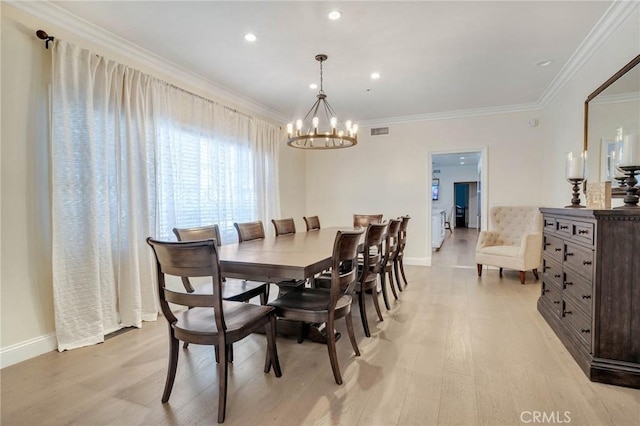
(484, 180)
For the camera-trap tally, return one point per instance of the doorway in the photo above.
(466, 204)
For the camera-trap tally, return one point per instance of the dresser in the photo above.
(590, 294)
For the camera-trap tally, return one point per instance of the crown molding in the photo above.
(606, 25)
(447, 115)
(49, 12)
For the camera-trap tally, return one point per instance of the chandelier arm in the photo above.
(313, 109)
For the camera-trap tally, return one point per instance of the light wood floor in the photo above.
(454, 350)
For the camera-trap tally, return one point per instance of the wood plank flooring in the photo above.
(454, 350)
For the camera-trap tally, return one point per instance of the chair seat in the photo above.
(300, 303)
(505, 251)
(240, 318)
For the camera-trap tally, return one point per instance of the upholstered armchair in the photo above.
(514, 240)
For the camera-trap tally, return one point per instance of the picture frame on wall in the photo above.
(435, 188)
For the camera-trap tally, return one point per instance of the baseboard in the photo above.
(28, 349)
(417, 261)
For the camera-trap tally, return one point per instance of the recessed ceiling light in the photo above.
(375, 75)
(250, 37)
(334, 15)
(544, 63)
(462, 158)
(462, 162)
(313, 86)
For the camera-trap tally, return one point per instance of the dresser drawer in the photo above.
(552, 271)
(579, 289)
(582, 231)
(563, 227)
(552, 247)
(552, 295)
(549, 224)
(577, 321)
(579, 259)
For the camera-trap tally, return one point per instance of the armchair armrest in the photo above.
(531, 248)
(486, 239)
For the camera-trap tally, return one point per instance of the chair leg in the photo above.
(272, 349)
(363, 313)
(264, 296)
(331, 347)
(404, 277)
(173, 365)
(223, 370)
(374, 295)
(522, 273)
(383, 284)
(535, 273)
(352, 335)
(500, 272)
(479, 269)
(397, 274)
(229, 353)
(392, 285)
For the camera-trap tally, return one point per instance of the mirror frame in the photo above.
(615, 192)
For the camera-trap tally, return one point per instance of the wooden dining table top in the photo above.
(292, 256)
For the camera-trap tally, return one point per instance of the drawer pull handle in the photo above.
(585, 330)
(586, 262)
(564, 226)
(547, 244)
(568, 254)
(557, 302)
(569, 283)
(544, 268)
(545, 291)
(557, 275)
(583, 231)
(558, 249)
(568, 312)
(586, 296)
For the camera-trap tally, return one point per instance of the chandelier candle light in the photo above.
(325, 135)
(575, 167)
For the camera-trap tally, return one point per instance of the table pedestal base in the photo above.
(293, 329)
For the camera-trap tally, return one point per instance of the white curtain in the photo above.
(133, 156)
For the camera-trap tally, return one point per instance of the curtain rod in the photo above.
(42, 35)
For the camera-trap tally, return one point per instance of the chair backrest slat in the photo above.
(199, 233)
(284, 226)
(344, 264)
(312, 222)
(248, 231)
(366, 219)
(372, 251)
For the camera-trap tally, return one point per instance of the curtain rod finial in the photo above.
(42, 35)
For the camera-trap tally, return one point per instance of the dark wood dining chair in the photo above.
(365, 219)
(318, 305)
(233, 289)
(249, 231)
(390, 252)
(398, 265)
(370, 270)
(210, 319)
(284, 226)
(312, 222)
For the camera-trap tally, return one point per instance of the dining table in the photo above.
(296, 256)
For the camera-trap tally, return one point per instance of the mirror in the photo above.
(611, 112)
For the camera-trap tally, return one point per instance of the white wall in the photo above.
(391, 174)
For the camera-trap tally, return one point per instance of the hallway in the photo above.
(458, 249)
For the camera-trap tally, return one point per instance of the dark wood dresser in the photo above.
(591, 289)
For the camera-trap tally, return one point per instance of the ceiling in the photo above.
(454, 160)
(433, 56)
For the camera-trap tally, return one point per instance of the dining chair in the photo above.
(398, 265)
(249, 231)
(210, 320)
(365, 219)
(318, 305)
(390, 252)
(233, 289)
(284, 226)
(312, 222)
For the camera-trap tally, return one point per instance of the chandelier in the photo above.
(315, 134)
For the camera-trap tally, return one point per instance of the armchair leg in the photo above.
(535, 273)
(479, 270)
(522, 277)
